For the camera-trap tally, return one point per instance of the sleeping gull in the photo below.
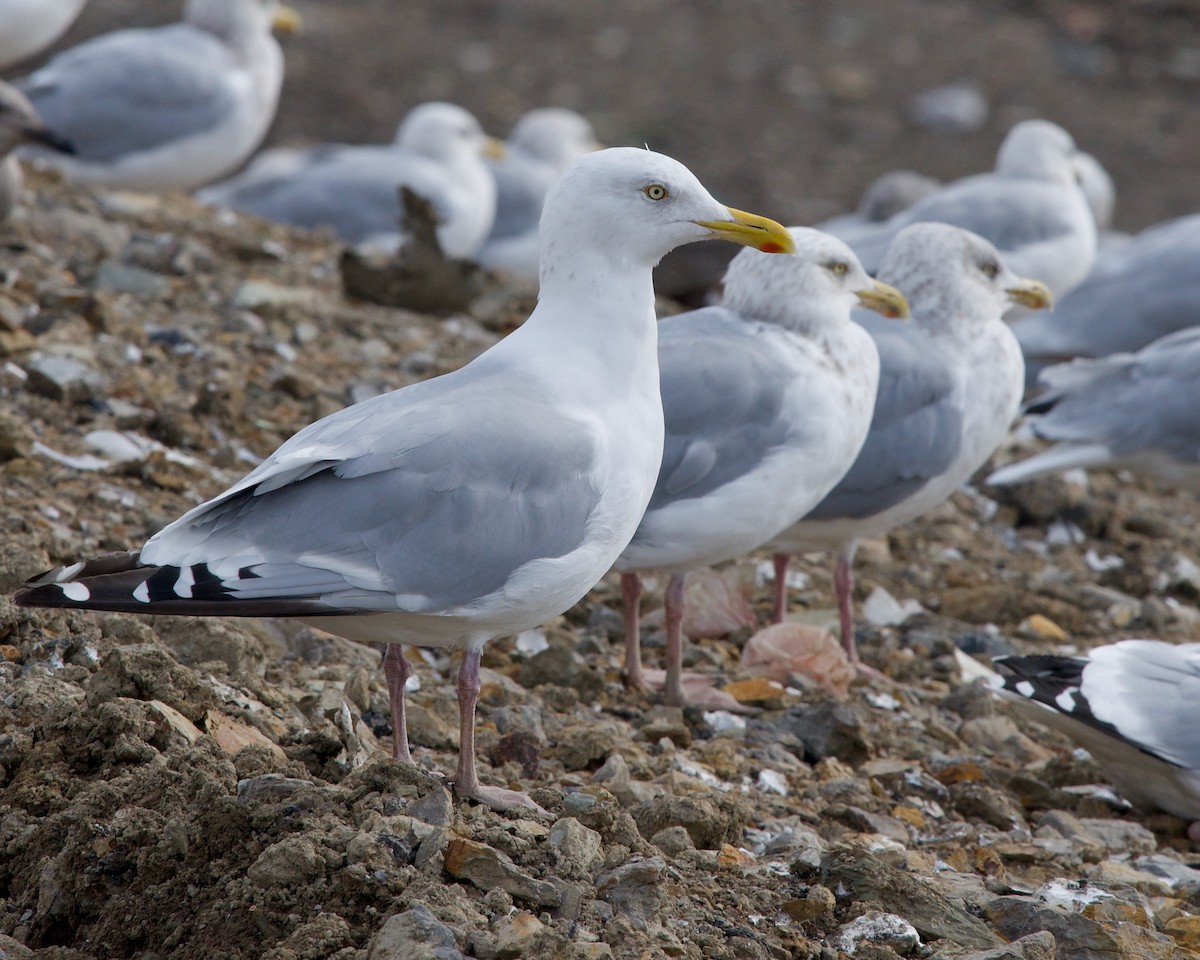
(1139, 410)
(887, 195)
(19, 123)
(472, 505)
(1133, 705)
(168, 108)
(768, 399)
(1137, 293)
(438, 153)
(27, 27)
(1031, 208)
(541, 146)
(949, 387)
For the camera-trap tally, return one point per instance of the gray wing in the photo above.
(1136, 294)
(1128, 402)
(375, 507)
(915, 432)
(1009, 213)
(354, 190)
(134, 90)
(723, 391)
(1149, 691)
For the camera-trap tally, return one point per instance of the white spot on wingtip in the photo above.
(183, 586)
(142, 593)
(1065, 701)
(75, 591)
(1024, 688)
(67, 573)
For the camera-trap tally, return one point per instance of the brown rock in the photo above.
(489, 869)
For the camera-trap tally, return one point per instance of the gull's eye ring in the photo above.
(656, 191)
(839, 268)
(991, 269)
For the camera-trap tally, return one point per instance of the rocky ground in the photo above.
(191, 788)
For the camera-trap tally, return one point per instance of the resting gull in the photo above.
(438, 153)
(1138, 410)
(1133, 705)
(168, 108)
(19, 124)
(950, 384)
(886, 196)
(768, 399)
(1031, 208)
(27, 27)
(541, 146)
(472, 505)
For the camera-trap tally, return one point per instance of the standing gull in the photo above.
(1134, 706)
(1031, 208)
(168, 108)
(438, 153)
(1139, 410)
(540, 147)
(19, 123)
(27, 27)
(768, 399)
(949, 387)
(472, 505)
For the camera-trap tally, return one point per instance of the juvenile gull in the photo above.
(27, 27)
(168, 108)
(1139, 410)
(767, 399)
(1031, 208)
(19, 124)
(468, 506)
(1137, 293)
(438, 153)
(541, 146)
(949, 387)
(1133, 705)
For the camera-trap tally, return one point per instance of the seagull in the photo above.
(473, 505)
(886, 196)
(1031, 207)
(438, 152)
(541, 146)
(168, 108)
(1133, 705)
(950, 384)
(27, 27)
(1140, 411)
(19, 123)
(768, 399)
(1138, 293)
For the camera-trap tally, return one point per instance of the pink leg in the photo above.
(631, 596)
(781, 597)
(843, 585)
(1193, 833)
(397, 670)
(673, 688)
(466, 783)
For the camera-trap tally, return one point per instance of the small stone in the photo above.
(882, 929)
(1042, 628)
(116, 277)
(270, 788)
(233, 735)
(827, 729)
(16, 437)
(666, 722)
(10, 653)
(709, 820)
(415, 934)
(634, 889)
(488, 868)
(290, 862)
(514, 932)
(1035, 946)
(174, 721)
(435, 807)
(1121, 836)
(583, 745)
(1185, 931)
(577, 846)
(758, 691)
(62, 378)
(979, 801)
(673, 841)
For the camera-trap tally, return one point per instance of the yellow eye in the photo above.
(839, 268)
(656, 191)
(990, 269)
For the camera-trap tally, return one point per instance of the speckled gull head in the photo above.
(236, 20)
(553, 135)
(442, 132)
(631, 207)
(954, 277)
(1038, 150)
(820, 285)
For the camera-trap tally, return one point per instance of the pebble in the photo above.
(415, 934)
(488, 868)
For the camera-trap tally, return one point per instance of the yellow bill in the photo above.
(494, 149)
(751, 230)
(1032, 294)
(884, 299)
(287, 21)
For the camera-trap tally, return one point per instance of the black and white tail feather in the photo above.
(121, 583)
